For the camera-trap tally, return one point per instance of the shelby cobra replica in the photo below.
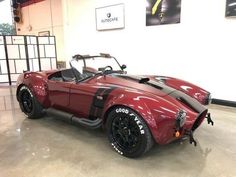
(135, 110)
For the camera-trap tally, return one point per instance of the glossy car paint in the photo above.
(96, 96)
(190, 89)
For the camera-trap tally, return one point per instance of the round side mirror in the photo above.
(123, 67)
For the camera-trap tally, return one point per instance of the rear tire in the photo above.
(29, 104)
(128, 133)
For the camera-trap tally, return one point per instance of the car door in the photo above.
(59, 92)
(81, 99)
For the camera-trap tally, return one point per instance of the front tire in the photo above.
(29, 104)
(128, 133)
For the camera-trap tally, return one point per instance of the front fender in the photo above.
(188, 88)
(158, 114)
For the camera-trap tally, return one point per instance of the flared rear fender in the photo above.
(37, 83)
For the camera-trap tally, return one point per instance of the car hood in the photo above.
(153, 89)
(138, 83)
(190, 89)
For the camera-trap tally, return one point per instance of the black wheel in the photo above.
(128, 133)
(29, 104)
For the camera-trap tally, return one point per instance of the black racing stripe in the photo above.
(105, 96)
(92, 107)
(164, 88)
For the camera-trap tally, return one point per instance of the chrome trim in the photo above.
(181, 117)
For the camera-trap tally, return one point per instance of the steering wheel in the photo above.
(106, 67)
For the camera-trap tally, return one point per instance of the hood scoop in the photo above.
(144, 80)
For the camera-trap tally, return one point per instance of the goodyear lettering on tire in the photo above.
(126, 111)
(26, 88)
(117, 150)
(122, 110)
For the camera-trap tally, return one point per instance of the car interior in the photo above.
(63, 75)
(69, 75)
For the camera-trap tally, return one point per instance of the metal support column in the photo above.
(26, 53)
(7, 60)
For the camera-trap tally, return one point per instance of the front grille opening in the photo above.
(199, 120)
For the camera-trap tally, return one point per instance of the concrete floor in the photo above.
(50, 148)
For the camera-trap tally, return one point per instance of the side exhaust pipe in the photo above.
(70, 118)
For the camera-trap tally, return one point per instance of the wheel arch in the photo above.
(37, 84)
(29, 104)
(107, 112)
(145, 114)
(18, 89)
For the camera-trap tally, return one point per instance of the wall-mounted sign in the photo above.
(160, 12)
(230, 8)
(110, 17)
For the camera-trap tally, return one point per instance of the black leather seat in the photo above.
(68, 75)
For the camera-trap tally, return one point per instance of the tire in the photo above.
(29, 104)
(128, 133)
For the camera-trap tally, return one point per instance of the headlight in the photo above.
(208, 99)
(180, 119)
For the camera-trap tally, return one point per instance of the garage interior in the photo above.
(199, 49)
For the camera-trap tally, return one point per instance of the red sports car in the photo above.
(135, 110)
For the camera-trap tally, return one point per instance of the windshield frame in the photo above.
(88, 57)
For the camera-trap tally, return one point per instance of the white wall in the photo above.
(5, 12)
(200, 49)
(44, 16)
